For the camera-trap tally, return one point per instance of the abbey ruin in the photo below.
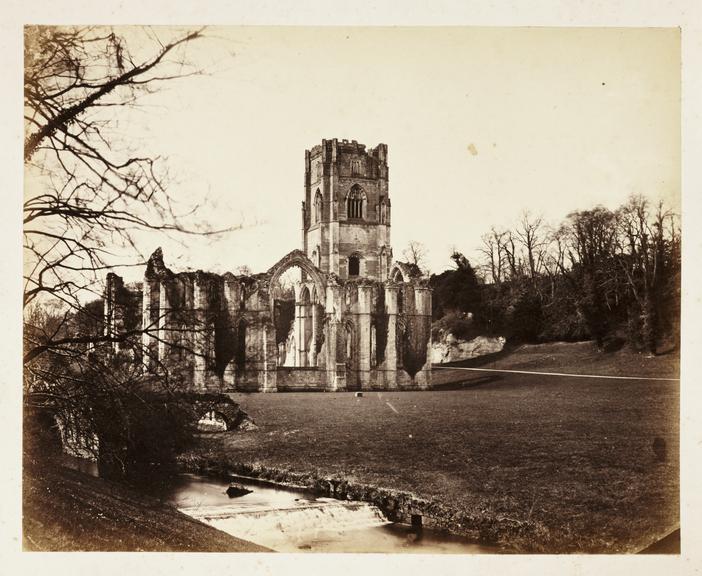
(353, 319)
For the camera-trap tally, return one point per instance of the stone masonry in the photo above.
(354, 320)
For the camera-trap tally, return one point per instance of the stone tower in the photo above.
(346, 212)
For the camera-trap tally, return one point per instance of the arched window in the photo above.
(354, 266)
(383, 212)
(318, 207)
(383, 263)
(354, 203)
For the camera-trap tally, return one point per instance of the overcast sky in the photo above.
(480, 123)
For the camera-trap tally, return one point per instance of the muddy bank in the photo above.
(507, 534)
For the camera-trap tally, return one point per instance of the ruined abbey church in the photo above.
(353, 320)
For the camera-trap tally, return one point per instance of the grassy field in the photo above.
(570, 458)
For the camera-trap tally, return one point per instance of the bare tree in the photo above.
(86, 190)
(554, 256)
(494, 251)
(415, 253)
(645, 241)
(512, 255)
(530, 233)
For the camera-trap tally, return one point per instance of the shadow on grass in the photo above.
(480, 360)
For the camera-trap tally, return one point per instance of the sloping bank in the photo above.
(397, 506)
(66, 510)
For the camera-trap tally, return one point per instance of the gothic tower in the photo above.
(346, 212)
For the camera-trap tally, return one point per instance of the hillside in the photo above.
(65, 510)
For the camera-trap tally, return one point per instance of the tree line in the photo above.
(612, 276)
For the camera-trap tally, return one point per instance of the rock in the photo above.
(237, 490)
(448, 348)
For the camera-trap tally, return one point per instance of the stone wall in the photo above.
(330, 235)
(215, 333)
(370, 329)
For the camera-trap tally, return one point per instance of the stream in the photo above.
(288, 520)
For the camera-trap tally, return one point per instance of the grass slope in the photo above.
(571, 457)
(65, 510)
(579, 358)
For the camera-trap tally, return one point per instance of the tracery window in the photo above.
(355, 167)
(354, 203)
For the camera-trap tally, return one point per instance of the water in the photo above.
(294, 521)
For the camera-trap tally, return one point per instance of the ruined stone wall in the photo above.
(366, 330)
(213, 332)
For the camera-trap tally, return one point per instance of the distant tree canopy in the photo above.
(610, 276)
(455, 290)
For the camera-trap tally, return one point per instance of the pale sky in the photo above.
(480, 123)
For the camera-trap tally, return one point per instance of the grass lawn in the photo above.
(570, 458)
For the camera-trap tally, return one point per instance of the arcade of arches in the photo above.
(337, 315)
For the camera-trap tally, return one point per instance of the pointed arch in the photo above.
(383, 216)
(356, 203)
(304, 297)
(383, 264)
(404, 272)
(298, 258)
(318, 207)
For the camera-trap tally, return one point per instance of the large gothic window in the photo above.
(354, 203)
(318, 207)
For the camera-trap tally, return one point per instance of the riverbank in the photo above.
(66, 510)
(533, 463)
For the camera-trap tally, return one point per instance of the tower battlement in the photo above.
(353, 320)
(346, 211)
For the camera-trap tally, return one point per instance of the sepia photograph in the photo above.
(351, 289)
